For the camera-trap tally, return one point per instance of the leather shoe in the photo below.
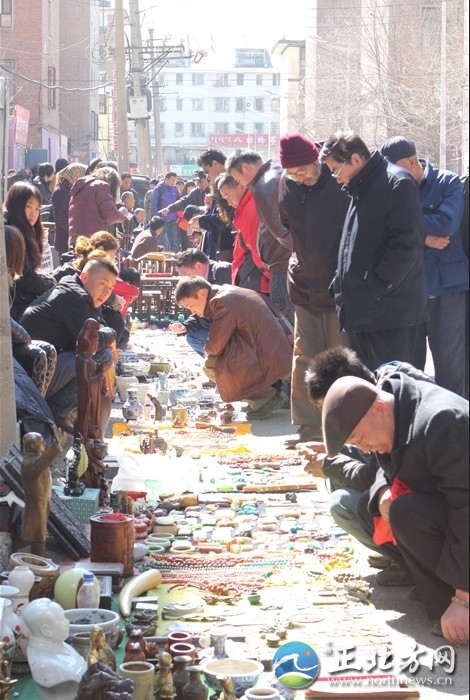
(267, 409)
(436, 629)
(305, 433)
(394, 575)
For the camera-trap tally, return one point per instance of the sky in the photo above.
(219, 27)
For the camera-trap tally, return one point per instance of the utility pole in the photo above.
(156, 110)
(140, 116)
(120, 102)
(7, 407)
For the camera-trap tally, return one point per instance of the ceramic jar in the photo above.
(132, 408)
(261, 694)
(45, 573)
(142, 673)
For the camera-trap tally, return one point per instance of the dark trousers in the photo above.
(374, 348)
(419, 523)
(447, 336)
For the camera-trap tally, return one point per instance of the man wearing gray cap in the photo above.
(419, 433)
(445, 263)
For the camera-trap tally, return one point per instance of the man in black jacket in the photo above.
(379, 286)
(419, 434)
(58, 317)
(313, 209)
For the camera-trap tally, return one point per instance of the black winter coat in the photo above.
(315, 217)
(430, 455)
(59, 314)
(379, 283)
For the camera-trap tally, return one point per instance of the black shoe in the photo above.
(436, 629)
(414, 594)
(394, 575)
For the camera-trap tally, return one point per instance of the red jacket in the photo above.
(246, 223)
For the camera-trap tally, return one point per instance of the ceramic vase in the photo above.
(195, 689)
(142, 673)
(180, 674)
(7, 635)
(23, 578)
(132, 408)
(218, 644)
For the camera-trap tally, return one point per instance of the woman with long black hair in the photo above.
(22, 208)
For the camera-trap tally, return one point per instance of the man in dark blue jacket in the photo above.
(379, 286)
(445, 263)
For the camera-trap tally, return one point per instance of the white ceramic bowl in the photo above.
(244, 673)
(84, 619)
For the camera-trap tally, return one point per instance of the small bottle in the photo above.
(88, 595)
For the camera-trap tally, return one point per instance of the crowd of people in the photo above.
(318, 282)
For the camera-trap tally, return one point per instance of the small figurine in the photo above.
(101, 683)
(37, 485)
(163, 686)
(74, 487)
(228, 692)
(6, 683)
(97, 651)
(157, 406)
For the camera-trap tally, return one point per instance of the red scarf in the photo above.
(382, 530)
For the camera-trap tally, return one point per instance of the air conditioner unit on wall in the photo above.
(248, 104)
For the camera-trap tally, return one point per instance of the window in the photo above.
(197, 129)
(259, 104)
(51, 92)
(240, 127)
(221, 128)
(240, 78)
(179, 104)
(94, 126)
(240, 104)
(198, 105)
(103, 104)
(258, 127)
(222, 104)
(276, 79)
(6, 13)
(10, 72)
(162, 130)
(162, 104)
(221, 80)
(179, 129)
(259, 79)
(179, 78)
(198, 78)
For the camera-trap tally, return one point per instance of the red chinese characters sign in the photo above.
(21, 125)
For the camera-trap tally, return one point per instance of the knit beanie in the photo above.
(296, 150)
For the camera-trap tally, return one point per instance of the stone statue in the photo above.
(55, 666)
(37, 484)
(101, 683)
(163, 685)
(94, 407)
